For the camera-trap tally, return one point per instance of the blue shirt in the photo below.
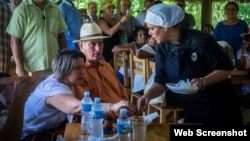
(231, 34)
(74, 22)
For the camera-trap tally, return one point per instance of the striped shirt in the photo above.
(38, 30)
(5, 15)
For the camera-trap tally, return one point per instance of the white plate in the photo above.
(172, 87)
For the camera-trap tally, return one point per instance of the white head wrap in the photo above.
(164, 15)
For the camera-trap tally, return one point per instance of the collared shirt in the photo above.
(38, 30)
(101, 82)
(5, 15)
(73, 19)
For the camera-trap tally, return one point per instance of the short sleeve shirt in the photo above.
(38, 30)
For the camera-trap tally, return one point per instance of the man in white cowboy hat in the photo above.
(99, 77)
(243, 54)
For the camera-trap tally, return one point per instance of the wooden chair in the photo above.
(7, 86)
(6, 91)
(12, 69)
(166, 113)
(137, 66)
(39, 75)
(121, 60)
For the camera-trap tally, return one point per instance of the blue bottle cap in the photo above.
(97, 100)
(87, 94)
(123, 111)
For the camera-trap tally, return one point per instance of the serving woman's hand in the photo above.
(143, 103)
(198, 82)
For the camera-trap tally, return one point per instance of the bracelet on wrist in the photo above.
(120, 22)
(203, 83)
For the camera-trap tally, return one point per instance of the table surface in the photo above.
(155, 131)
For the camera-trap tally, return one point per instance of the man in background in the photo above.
(37, 29)
(188, 21)
(73, 19)
(92, 10)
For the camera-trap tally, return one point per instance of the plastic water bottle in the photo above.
(86, 109)
(123, 126)
(96, 119)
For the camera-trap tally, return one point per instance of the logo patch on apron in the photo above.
(194, 56)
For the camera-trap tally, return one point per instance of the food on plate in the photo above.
(186, 85)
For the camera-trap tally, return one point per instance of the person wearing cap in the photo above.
(188, 21)
(243, 55)
(184, 54)
(110, 27)
(99, 77)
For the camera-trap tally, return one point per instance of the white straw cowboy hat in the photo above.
(90, 31)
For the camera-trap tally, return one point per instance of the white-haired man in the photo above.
(99, 77)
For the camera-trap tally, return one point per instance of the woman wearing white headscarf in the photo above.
(190, 54)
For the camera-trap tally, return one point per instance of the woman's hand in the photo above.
(124, 19)
(124, 104)
(143, 103)
(198, 82)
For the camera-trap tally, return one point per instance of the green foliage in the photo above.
(193, 8)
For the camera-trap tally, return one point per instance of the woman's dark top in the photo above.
(109, 43)
(196, 56)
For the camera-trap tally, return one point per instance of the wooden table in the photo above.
(155, 132)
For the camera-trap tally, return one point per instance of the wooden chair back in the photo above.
(121, 60)
(166, 113)
(6, 91)
(7, 87)
(137, 66)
